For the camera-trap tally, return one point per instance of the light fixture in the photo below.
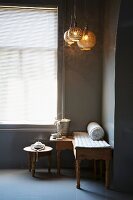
(68, 41)
(87, 41)
(75, 33)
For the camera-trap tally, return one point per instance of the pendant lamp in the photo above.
(68, 41)
(75, 33)
(87, 41)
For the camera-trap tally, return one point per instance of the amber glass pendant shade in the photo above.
(68, 41)
(87, 41)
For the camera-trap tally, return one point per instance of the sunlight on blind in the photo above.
(28, 66)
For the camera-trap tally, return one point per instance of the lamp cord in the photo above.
(85, 11)
(75, 23)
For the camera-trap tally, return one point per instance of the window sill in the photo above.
(31, 128)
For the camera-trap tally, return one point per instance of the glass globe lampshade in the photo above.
(87, 41)
(67, 39)
(75, 34)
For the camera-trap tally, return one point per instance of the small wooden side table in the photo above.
(66, 143)
(34, 155)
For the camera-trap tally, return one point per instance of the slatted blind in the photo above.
(28, 65)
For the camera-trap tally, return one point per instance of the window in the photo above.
(28, 65)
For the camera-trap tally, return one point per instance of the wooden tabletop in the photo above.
(63, 138)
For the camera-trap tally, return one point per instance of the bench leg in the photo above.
(78, 173)
(101, 169)
(107, 165)
(95, 169)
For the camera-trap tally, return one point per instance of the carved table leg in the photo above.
(58, 162)
(33, 163)
(107, 165)
(78, 173)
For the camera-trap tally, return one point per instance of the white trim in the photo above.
(29, 7)
(50, 129)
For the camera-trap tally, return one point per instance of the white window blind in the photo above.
(28, 65)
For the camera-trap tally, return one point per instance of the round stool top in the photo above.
(29, 149)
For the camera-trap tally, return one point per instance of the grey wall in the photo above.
(123, 147)
(83, 71)
(109, 48)
(82, 78)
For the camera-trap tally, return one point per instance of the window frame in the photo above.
(60, 76)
